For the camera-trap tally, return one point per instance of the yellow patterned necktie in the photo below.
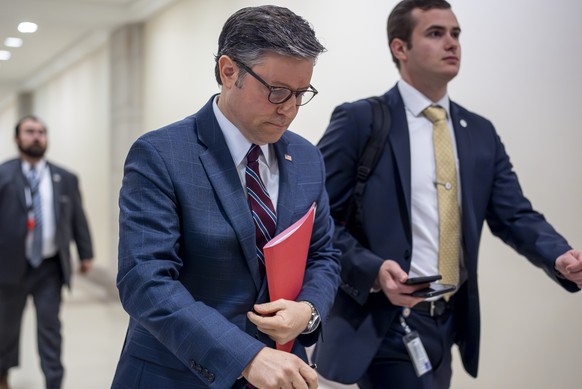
(447, 196)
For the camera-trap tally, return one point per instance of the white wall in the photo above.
(181, 43)
(518, 57)
(8, 119)
(74, 105)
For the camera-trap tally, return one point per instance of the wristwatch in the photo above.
(313, 321)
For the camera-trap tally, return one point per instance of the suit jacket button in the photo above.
(195, 366)
(211, 377)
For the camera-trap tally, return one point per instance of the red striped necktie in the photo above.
(36, 246)
(261, 205)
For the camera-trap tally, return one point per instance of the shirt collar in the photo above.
(415, 102)
(237, 144)
(39, 167)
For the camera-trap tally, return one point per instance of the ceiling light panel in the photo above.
(12, 42)
(27, 27)
(5, 55)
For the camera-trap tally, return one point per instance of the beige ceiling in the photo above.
(65, 26)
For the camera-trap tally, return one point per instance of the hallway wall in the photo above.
(517, 57)
(74, 105)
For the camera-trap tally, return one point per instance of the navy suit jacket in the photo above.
(491, 192)
(188, 270)
(70, 220)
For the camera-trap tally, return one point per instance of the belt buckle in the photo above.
(437, 308)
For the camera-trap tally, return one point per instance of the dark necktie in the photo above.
(261, 206)
(36, 246)
(447, 192)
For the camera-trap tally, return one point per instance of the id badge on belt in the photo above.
(414, 347)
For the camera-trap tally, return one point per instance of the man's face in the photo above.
(435, 51)
(246, 103)
(31, 139)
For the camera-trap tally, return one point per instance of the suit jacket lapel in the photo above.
(466, 166)
(399, 140)
(21, 184)
(223, 176)
(287, 183)
(56, 180)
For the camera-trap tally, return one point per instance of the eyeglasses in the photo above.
(280, 94)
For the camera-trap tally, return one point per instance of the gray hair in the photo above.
(252, 32)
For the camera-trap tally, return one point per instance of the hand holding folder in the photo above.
(285, 259)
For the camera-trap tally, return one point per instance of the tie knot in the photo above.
(435, 114)
(253, 154)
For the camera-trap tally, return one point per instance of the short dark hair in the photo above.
(23, 119)
(401, 23)
(251, 32)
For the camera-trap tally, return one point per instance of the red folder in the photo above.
(285, 258)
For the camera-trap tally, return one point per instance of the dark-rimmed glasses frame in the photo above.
(281, 94)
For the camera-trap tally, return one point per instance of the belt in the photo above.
(433, 308)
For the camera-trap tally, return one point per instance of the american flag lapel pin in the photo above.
(288, 157)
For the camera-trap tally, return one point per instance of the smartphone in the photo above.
(434, 290)
(423, 280)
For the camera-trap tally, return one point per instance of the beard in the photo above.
(35, 150)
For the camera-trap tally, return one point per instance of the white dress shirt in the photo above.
(45, 187)
(239, 146)
(424, 207)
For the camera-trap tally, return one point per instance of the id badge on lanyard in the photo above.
(414, 346)
(30, 221)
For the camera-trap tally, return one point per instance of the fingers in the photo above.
(569, 265)
(262, 314)
(309, 377)
(281, 320)
(391, 279)
(86, 265)
(569, 262)
(404, 300)
(389, 276)
(270, 308)
(266, 323)
(574, 267)
(574, 274)
(394, 271)
(277, 369)
(266, 315)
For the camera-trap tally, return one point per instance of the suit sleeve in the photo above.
(80, 227)
(341, 145)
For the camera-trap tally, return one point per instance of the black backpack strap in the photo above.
(371, 154)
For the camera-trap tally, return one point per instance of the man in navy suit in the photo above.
(189, 273)
(399, 237)
(62, 221)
